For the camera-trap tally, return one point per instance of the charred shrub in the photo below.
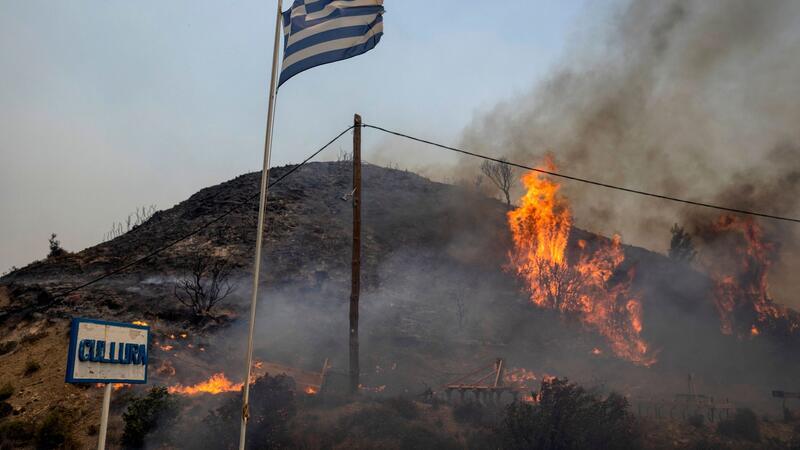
(379, 425)
(14, 433)
(145, 414)
(6, 347)
(469, 412)
(697, 420)
(31, 367)
(5, 409)
(53, 432)
(569, 417)
(6, 391)
(272, 405)
(404, 407)
(55, 247)
(743, 425)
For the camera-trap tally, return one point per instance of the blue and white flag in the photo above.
(317, 32)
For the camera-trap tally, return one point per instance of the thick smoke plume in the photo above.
(687, 98)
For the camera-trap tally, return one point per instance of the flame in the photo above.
(739, 269)
(519, 377)
(217, 384)
(166, 348)
(311, 390)
(540, 229)
(139, 322)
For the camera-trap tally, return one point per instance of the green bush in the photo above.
(53, 432)
(569, 417)
(272, 405)
(145, 414)
(6, 391)
(743, 425)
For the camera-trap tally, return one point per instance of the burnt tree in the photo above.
(501, 175)
(205, 287)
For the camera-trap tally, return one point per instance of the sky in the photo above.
(110, 105)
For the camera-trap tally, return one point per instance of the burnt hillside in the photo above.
(436, 299)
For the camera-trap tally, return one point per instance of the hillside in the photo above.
(437, 300)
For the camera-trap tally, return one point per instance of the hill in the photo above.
(438, 298)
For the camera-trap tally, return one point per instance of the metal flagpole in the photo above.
(260, 233)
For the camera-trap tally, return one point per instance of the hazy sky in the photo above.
(109, 105)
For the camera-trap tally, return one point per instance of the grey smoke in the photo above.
(686, 98)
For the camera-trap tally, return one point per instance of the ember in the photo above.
(217, 384)
(541, 227)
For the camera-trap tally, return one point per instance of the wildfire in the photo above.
(540, 228)
(217, 384)
(738, 261)
(519, 377)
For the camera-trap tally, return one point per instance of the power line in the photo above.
(203, 226)
(585, 180)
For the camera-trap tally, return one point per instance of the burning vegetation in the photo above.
(737, 256)
(217, 384)
(588, 283)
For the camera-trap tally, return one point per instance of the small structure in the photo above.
(686, 405)
(784, 395)
(486, 383)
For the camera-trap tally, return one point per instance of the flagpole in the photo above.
(260, 233)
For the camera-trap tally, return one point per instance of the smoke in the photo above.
(685, 98)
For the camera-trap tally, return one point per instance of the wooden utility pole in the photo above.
(355, 287)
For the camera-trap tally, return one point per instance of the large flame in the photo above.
(217, 384)
(738, 259)
(540, 228)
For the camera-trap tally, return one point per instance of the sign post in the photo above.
(107, 352)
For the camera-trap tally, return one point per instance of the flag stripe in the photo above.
(298, 24)
(332, 34)
(338, 44)
(329, 57)
(342, 22)
(332, 7)
(324, 31)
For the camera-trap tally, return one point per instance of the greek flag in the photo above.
(317, 32)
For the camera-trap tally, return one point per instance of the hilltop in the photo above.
(436, 298)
